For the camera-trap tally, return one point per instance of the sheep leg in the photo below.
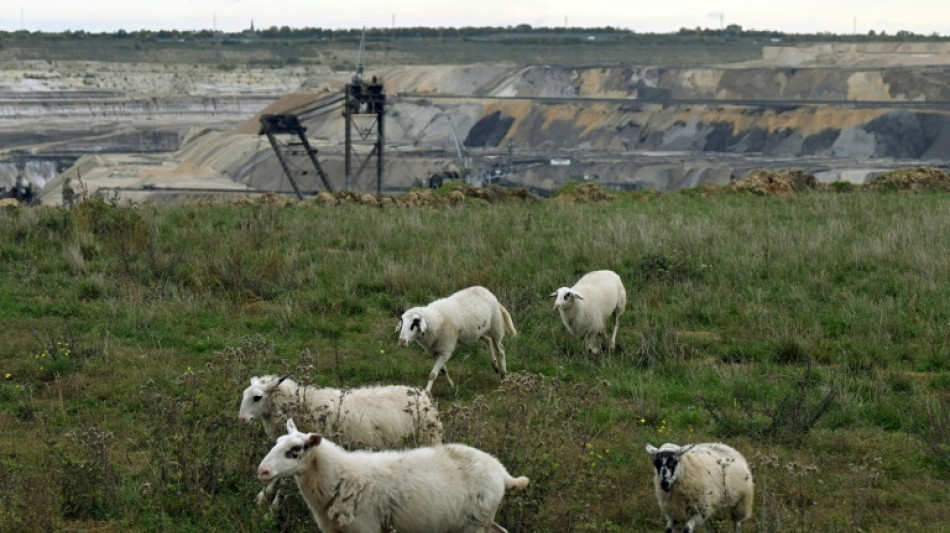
(445, 372)
(501, 357)
(694, 521)
(669, 525)
(613, 336)
(590, 340)
(264, 495)
(439, 366)
(492, 344)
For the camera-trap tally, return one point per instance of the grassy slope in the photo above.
(128, 334)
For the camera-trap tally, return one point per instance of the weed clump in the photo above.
(669, 266)
(935, 433)
(788, 419)
(87, 475)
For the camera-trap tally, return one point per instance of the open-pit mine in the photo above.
(168, 132)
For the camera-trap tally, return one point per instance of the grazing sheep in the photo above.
(379, 417)
(584, 308)
(693, 481)
(424, 490)
(462, 318)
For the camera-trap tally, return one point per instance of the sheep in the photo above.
(692, 481)
(435, 489)
(378, 417)
(584, 308)
(462, 318)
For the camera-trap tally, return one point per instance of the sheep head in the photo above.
(666, 463)
(412, 325)
(254, 399)
(564, 298)
(286, 458)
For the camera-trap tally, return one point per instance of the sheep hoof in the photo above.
(260, 498)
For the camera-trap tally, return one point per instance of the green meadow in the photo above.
(811, 332)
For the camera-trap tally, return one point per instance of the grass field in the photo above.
(812, 333)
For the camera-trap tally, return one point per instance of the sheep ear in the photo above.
(553, 295)
(314, 440)
(269, 387)
(650, 449)
(291, 427)
(684, 449)
(577, 295)
(398, 326)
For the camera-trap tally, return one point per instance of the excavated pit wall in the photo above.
(53, 112)
(841, 112)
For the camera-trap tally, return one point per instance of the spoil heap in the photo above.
(913, 179)
(776, 182)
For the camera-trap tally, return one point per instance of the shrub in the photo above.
(675, 265)
(87, 475)
(787, 419)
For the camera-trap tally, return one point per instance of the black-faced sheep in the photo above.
(462, 318)
(585, 308)
(424, 490)
(693, 481)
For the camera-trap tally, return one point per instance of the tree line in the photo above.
(513, 34)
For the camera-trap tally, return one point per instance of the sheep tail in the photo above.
(516, 482)
(509, 325)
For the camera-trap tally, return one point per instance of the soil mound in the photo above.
(776, 182)
(913, 179)
(583, 193)
(457, 195)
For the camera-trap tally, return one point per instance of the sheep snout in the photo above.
(264, 475)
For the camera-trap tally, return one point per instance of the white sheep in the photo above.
(462, 318)
(585, 307)
(693, 481)
(435, 489)
(377, 417)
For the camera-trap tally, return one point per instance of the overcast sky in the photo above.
(800, 16)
